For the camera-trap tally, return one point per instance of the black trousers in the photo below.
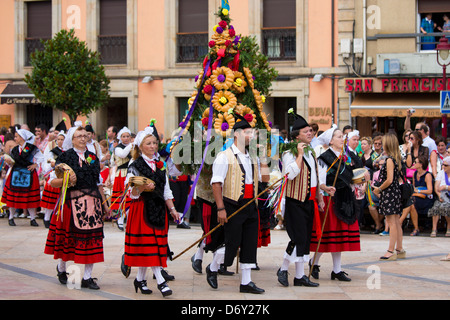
(298, 220)
(241, 232)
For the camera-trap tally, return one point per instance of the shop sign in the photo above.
(390, 85)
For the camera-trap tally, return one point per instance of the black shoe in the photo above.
(223, 271)
(315, 270)
(62, 276)
(47, 224)
(11, 222)
(211, 277)
(89, 283)
(341, 276)
(142, 285)
(304, 281)
(196, 264)
(183, 225)
(165, 290)
(167, 276)
(250, 288)
(283, 277)
(256, 268)
(126, 270)
(33, 223)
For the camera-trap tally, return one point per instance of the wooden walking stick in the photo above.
(229, 217)
(326, 212)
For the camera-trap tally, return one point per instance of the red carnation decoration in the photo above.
(248, 117)
(160, 164)
(223, 24)
(231, 32)
(212, 43)
(205, 122)
(208, 89)
(227, 43)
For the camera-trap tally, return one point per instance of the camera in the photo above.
(412, 110)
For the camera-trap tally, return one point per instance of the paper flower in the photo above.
(205, 122)
(212, 43)
(208, 89)
(225, 126)
(223, 24)
(231, 32)
(221, 78)
(160, 165)
(219, 30)
(225, 12)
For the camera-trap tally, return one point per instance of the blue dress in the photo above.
(428, 26)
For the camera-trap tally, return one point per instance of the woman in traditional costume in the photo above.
(22, 190)
(50, 195)
(76, 230)
(146, 243)
(341, 231)
(122, 157)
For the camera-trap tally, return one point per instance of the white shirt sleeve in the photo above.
(122, 153)
(219, 169)
(290, 166)
(167, 191)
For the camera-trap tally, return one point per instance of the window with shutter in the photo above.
(279, 31)
(192, 35)
(112, 39)
(39, 26)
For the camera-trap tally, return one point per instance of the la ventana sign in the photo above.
(378, 85)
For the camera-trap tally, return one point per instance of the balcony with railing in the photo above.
(32, 45)
(191, 47)
(113, 49)
(279, 43)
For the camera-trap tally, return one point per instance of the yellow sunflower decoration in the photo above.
(224, 100)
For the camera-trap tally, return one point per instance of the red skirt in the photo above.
(22, 198)
(145, 246)
(50, 197)
(66, 243)
(117, 192)
(337, 236)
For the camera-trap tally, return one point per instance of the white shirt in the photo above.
(292, 170)
(167, 192)
(323, 168)
(123, 153)
(91, 146)
(430, 144)
(220, 166)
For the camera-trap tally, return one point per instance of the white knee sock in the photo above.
(11, 213)
(88, 271)
(61, 266)
(47, 214)
(142, 271)
(285, 265)
(299, 269)
(246, 276)
(200, 251)
(317, 257)
(157, 272)
(218, 258)
(32, 212)
(336, 261)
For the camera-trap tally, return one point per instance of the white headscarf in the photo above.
(26, 135)
(122, 131)
(325, 137)
(68, 140)
(351, 134)
(446, 160)
(142, 134)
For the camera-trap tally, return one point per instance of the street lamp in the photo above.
(442, 53)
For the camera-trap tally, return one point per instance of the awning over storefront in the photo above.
(17, 93)
(395, 105)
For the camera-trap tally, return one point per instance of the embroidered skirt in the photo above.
(22, 198)
(117, 193)
(145, 245)
(66, 242)
(50, 197)
(338, 236)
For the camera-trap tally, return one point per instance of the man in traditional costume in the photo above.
(302, 200)
(234, 183)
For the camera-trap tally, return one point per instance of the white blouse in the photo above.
(132, 172)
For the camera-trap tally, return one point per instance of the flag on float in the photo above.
(226, 4)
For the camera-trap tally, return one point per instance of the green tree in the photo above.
(68, 76)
